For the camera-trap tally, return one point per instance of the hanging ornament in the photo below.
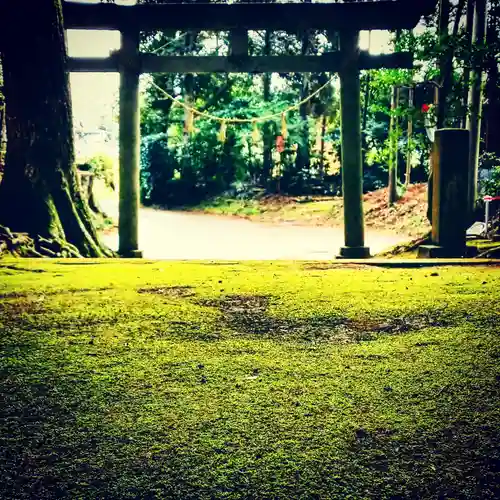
(222, 131)
(189, 122)
(255, 133)
(284, 131)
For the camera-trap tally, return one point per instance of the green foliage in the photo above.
(102, 167)
(157, 167)
(204, 164)
(212, 167)
(491, 186)
(181, 170)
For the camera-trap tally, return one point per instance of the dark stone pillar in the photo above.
(352, 166)
(449, 194)
(128, 220)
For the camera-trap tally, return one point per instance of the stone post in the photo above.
(129, 145)
(449, 194)
(352, 166)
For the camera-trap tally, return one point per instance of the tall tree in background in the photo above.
(303, 157)
(393, 142)
(267, 163)
(475, 99)
(39, 193)
(393, 149)
(443, 66)
(491, 115)
(469, 23)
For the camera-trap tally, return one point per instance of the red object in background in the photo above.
(425, 108)
(280, 144)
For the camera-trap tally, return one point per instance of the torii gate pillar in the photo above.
(129, 139)
(352, 166)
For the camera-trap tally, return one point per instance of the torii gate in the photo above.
(346, 18)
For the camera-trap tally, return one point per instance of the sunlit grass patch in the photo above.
(130, 379)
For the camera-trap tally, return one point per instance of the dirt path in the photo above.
(178, 235)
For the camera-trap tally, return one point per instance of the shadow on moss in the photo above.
(248, 314)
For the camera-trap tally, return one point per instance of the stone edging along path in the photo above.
(416, 263)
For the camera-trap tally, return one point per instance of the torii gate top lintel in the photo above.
(239, 18)
(364, 15)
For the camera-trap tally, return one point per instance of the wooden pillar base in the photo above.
(354, 253)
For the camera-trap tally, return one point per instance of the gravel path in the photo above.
(179, 235)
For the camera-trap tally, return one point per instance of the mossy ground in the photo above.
(137, 379)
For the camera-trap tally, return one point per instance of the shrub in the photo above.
(491, 185)
(157, 168)
(102, 167)
(175, 173)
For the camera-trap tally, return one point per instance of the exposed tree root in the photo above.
(23, 245)
(491, 253)
(410, 246)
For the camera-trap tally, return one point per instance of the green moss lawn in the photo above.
(137, 379)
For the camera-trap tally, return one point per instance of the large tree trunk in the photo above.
(39, 193)
(3, 125)
(3, 135)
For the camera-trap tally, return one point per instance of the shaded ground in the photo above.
(179, 235)
(141, 379)
(407, 217)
